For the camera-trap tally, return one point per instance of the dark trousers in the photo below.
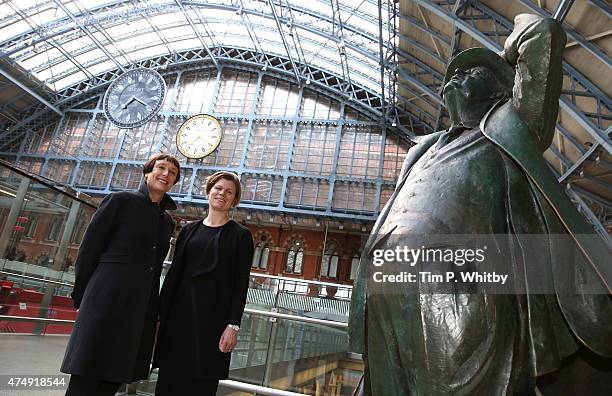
(175, 386)
(83, 386)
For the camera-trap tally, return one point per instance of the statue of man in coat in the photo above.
(485, 175)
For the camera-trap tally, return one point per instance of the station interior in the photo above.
(318, 103)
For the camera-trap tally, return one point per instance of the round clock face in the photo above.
(199, 136)
(134, 98)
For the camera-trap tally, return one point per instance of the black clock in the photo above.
(134, 98)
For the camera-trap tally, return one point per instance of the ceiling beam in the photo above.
(562, 9)
(284, 39)
(29, 91)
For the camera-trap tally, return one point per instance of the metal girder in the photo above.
(161, 36)
(338, 30)
(204, 45)
(602, 137)
(588, 213)
(589, 89)
(574, 194)
(578, 163)
(279, 25)
(603, 6)
(88, 33)
(562, 9)
(382, 62)
(29, 91)
(567, 135)
(593, 198)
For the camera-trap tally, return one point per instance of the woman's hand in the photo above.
(228, 340)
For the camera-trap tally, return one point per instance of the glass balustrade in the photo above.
(291, 355)
(41, 228)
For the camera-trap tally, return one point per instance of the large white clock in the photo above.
(199, 136)
(134, 98)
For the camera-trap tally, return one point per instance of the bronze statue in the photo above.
(486, 175)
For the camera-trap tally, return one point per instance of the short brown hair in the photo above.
(150, 164)
(215, 177)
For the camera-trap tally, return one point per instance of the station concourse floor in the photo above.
(26, 355)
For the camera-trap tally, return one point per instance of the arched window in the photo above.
(78, 232)
(329, 265)
(295, 258)
(54, 228)
(260, 256)
(354, 266)
(262, 251)
(30, 226)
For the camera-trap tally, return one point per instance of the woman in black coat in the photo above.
(116, 289)
(203, 296)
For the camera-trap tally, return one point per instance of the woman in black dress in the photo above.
(203, 296)
(116, 290)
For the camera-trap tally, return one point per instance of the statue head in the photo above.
(475, 80)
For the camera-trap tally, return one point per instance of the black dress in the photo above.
(177, 372)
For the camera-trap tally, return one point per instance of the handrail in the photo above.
(296, 318)
(37, 279)
(13, 318)
(339, 285)
(255, 312)
(257, 389)
(38, 179)
(253, 274)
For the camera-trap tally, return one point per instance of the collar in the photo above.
(166, 202)
(483, 121)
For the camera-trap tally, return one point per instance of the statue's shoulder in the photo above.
(428, 140)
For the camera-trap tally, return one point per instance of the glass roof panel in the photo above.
(40, 58)
(15, 28)
(88, 56)
(101, 67)
(70, 80)
(186, 44)
(150, 52)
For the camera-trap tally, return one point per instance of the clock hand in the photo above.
(194, 140)
(141, 102)
(127, 103)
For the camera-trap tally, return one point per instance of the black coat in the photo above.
(117, 287)
(216, 302)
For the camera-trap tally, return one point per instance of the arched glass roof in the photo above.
(64, 42)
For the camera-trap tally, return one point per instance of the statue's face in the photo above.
(468, 91)
(473, 83)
